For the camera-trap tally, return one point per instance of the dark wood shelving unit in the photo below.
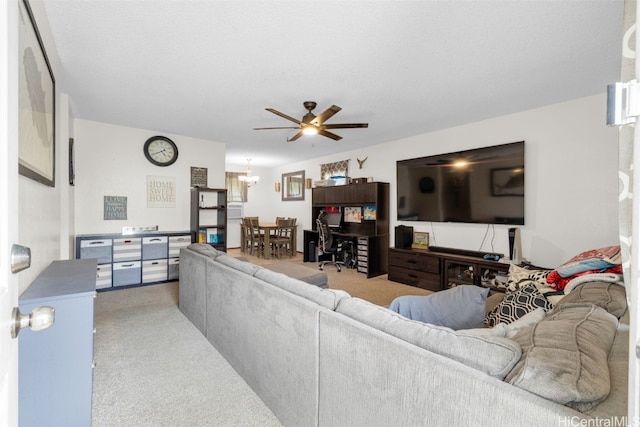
(209, 216)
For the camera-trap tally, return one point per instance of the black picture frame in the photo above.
(507, 182)
(37, 101)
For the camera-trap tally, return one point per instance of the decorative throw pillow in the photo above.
(565, 356)
(516, 304)
(520, 276)
(461, 307)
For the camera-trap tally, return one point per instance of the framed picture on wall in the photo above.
(36, 104)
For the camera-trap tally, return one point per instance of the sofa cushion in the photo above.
(516, 304)
(312, 276)
(461, 307)
(328, 298)
(205, 249)
(510, 329)
(609, 296)
(565, 357)
(245, 267)
(494, 356)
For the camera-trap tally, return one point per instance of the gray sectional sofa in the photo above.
(319, 357)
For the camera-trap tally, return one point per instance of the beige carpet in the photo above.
(154, 368)
(378, 290)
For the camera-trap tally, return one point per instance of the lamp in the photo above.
(308, 183)
(277, 187)
(248, 178)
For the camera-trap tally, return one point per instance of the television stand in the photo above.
(437, 270)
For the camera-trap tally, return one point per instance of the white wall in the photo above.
(571, 180)
(110, 162)
(45, 213)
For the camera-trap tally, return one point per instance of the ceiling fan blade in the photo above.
(345, 125)
(296, 136)
(329, 135)
(280, 127)
(325, 115)
(278, 113)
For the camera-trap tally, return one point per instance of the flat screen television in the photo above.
(482, 185)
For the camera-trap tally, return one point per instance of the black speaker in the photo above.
(313, 255)
(404, 237)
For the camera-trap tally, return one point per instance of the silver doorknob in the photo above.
(39, 319)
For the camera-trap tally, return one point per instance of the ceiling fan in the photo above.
(312, 124)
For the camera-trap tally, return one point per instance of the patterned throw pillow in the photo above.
(516, 304)
(520, 276)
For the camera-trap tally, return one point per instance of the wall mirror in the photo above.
(293, 186)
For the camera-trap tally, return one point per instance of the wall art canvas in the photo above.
(36, 105)
(161, 192)
(115, 208)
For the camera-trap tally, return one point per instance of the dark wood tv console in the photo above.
(437, 271)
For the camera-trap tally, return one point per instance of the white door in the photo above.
(8, 209)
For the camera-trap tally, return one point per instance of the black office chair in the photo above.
(328, 245)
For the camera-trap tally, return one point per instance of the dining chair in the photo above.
(247, 236)
(257, 240)
(282, 241)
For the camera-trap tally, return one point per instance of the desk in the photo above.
(373, 250)
(265, 229)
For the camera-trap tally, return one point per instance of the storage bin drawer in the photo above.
(96, 248)
(174, 269)
(126, 273)
(155, 247)
(127, 249)
(178, 242)
(154, 271)
(103, 276)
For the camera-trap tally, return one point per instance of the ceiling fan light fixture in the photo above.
(314, 125)
(310, 130)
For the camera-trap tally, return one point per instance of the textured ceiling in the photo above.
(208, 69)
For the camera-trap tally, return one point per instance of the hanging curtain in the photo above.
(340, 168)
(625, 149)
(626, 209)
(236, 189)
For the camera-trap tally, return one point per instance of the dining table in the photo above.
(266, 229)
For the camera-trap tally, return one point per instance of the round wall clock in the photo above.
(161, 151)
